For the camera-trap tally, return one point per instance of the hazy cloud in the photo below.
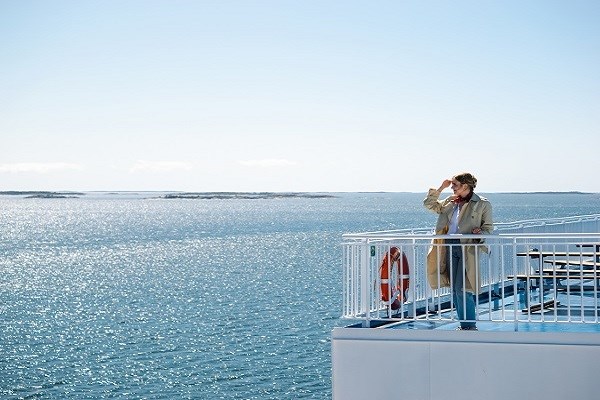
(161, 166)
(38, 168)
(267, 163)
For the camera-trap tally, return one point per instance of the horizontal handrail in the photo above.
(523, 226)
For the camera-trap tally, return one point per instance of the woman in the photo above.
(456, 264)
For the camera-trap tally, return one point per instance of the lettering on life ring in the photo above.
(396, 295)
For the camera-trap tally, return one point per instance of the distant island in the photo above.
(43, 195)
(243, 195)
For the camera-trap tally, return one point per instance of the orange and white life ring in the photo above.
(396, 295)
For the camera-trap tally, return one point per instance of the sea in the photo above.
(135, 296)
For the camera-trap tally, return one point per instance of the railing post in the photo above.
(364, 283)
(515, 288)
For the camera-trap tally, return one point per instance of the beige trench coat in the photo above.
(477, 213)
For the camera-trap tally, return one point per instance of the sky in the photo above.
(299, 96)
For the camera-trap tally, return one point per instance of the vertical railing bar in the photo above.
(365, 284)
(416, 282)
(430, 299)
(399, 272)
(388, 257)
(555, 282)
(411, 290)
(416, 276)
(464, 258)
(347, 279)
(435, 292)
(542, 287)
(401, 266)
(490, 280)
(450, 274)
(528, 293)
(413, 279)
(439, 290)
(503, 290)
(350, 282)
(344, 311)
(356, 279)
(595, 280)
(515, 289)
(376, 298)
(357, 255)
(569, 319)
(355, 266)
(464, 286)
(581, 307)
(477, 278)
(403, 289)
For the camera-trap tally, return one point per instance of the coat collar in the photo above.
(474, 197)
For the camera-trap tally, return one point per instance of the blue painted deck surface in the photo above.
(502, 326)
(499, 315)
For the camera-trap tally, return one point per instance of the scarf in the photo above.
(461, 200)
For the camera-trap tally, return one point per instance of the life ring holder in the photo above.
(398, 293)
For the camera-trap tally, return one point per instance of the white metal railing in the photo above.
(533, 271)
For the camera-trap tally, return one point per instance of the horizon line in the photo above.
(24, 192)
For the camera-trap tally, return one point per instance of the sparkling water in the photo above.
(130, 296)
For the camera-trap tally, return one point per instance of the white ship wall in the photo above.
(448, 365)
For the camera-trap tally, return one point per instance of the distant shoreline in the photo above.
(245, 195)
(176, 195)
(43, 194)
(168, 195)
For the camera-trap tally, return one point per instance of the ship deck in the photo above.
(538, 316)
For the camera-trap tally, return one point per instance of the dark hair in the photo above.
(467, 178)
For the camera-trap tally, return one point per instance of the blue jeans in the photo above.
(463, 301)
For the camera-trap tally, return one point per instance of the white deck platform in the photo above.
(423, 364)
(416, 353)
